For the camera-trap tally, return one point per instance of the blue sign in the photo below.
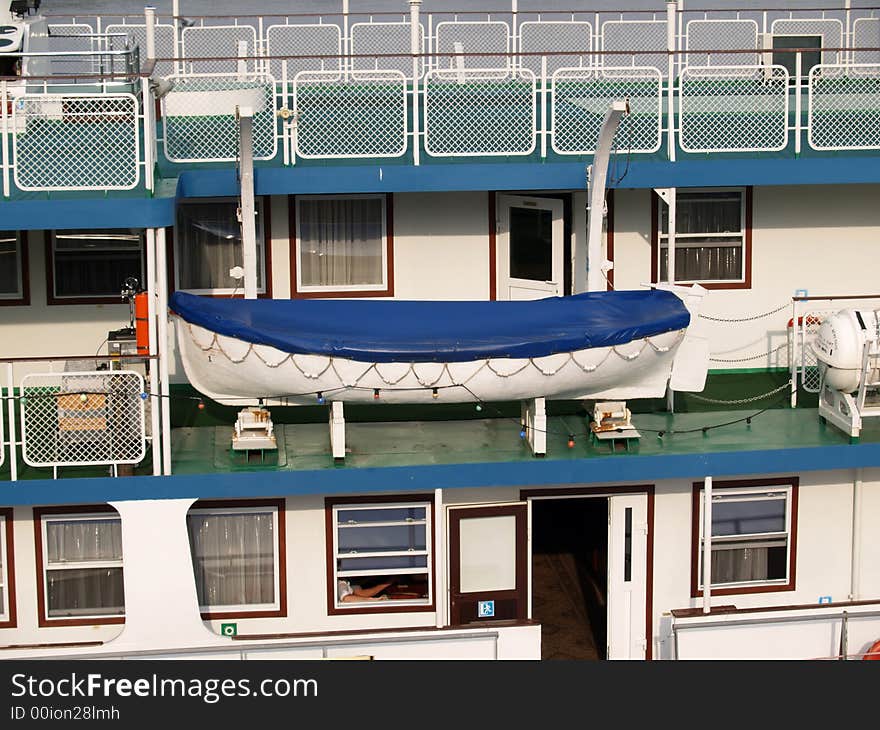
(824, 599)
(485, 609)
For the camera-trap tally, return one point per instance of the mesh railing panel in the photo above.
(580, 99)
(374, 38)
(648, 37)
(866, 34)
(137, 34)
(543, 37)
(810, 376)
(733, 113)
(830, 29)
(72, 38)
(479, 112)
(363, 117)
(844, 107)
(721, 35)
(216, 41)
(76, 142)
(303, 40)
(199, 116)
(71, 419)
(474, 37)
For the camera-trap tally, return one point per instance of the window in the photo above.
(80, 562)
(7, 571)
(89, 266)
(238, 558)
(343, 244)
(380, 555)
(13, 268)
(753, 536)
(713, 239)
(207, 244)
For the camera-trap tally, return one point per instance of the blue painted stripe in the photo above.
(90, 213)
(607, 470)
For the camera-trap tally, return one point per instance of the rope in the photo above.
(746, 319)
(749, 358)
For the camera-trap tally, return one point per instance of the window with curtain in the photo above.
(382, 552)
(236, 558)
(751, 531)
(89, 264)
(710, 234)
(82, 563)
(11, 285)
(207, 244)
(341, 243)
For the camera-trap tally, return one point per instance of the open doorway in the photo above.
(569, 576)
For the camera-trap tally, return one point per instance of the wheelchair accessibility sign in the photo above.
(485, 609)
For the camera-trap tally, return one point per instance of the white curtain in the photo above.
(233, 558)
(9, 265)
(739, 565)
(83, 590)
(209, 245)
(341, 241)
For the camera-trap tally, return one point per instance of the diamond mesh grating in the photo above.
(479, 112)
(375, 38)
(733, 113)
(76, 142)
(199, 116)
(82, 418)
(844, 107)
(580, 99)
(722, 35)
(138, 36)
(216, 41)
(866, 34)
(543, 37)
(303, 40)
(474, 37)
(366, 116)
(648, 37)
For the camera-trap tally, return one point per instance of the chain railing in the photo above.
(82, 418)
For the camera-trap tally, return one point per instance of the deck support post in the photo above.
(707, 545)
(154, 401)
(337, 429)
(247, 209)
(534, 423)
(164, 347)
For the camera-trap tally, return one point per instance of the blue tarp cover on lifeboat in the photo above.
(407, 331)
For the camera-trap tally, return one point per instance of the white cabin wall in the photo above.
(811, 237)
(41, 330)
(869, 575)
(441, 245)
(280, 245)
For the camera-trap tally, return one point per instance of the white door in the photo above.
(529, 247)
(627, 576)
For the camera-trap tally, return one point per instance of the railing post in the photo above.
(10, 391)
(4, 113)
(671, 9)
(175, 12)
(155, 400)
(544, 130)
(707, 545)
(795, 333)
(163, 347)
(149, 133)
(415, 49)
(246, 196)
(345, 41)
(798, 103)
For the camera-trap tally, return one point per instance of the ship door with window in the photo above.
(627, 576)
(488, 569)
(530, 247)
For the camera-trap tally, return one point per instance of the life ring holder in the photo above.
(873, 652)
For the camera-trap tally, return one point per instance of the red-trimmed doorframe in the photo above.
(527, 495)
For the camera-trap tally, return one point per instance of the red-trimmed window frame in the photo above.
(387, 291)
(207, 612)
(43, 619)
(746, 283)
(265, 203)
(24, 272)
(364, 502)
(53, 300)
(791, 483)
(7, 619)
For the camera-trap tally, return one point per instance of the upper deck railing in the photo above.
(524, 84)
